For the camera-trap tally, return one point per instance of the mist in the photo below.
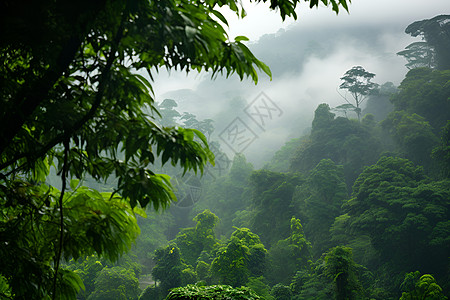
(306, 64)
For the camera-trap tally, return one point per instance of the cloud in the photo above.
(307, 60)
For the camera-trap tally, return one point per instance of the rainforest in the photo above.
(308, 163)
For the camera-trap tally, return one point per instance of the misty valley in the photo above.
(306, 185)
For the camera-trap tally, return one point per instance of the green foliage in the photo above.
(412, 134)
(341, 269)
(312, 284)
(216, 292)
(425, 92)
(202, 270)
(71, 91)
(271, 204)
(116, 283)
(151, 292)
(94, 222)
(5, 290)
(260, 287)
(346, 142)
(442, 152)
(281, 160)
(417, 287)
(404, 214)
(323, 117)
(88, 271)
(242, 257)
(281, 292)
(192, 241)
(227, 195)
(188, 276)
(361, 244)
(290, 255)
(319, 200)
(379, 104)
(152, 237)
(168, 268)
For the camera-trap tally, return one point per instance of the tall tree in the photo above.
(357, 81)
(192, 241)
(340, 267)
(436, 32)
(288, 256)
(243, 256)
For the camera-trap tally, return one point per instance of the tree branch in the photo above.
(61, 215)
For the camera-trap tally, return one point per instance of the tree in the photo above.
(419, 54)
(168, 268)
(346, 142)
(442, 152)
(282, 158)
(168, 113)
(412, 134)
(271, 204)
(94, 222)
(289, 256)
(357, 81)
(323, 117)
(418, 287)
(319, 200)
(436, 32)
(116, 283)
(379, 104)
(88, 271)
(192, 241)
(404, 214)
(71, 91)
(281, 292)
(340, 267)
(425, 92)
(242, 257)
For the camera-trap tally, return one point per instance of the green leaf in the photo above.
(241, 38)
(74, 184)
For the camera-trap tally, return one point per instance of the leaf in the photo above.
(241, 38)
(220, 17)
(74, 184)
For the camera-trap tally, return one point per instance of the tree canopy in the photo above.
(436, 32)
(358, 82)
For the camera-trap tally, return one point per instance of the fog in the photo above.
(307, 59)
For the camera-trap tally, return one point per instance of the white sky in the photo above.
(261, 20)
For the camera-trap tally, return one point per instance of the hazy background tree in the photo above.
(436, 32)
(419, 54)
(358, 82)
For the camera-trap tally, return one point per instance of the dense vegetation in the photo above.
(358, 208)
